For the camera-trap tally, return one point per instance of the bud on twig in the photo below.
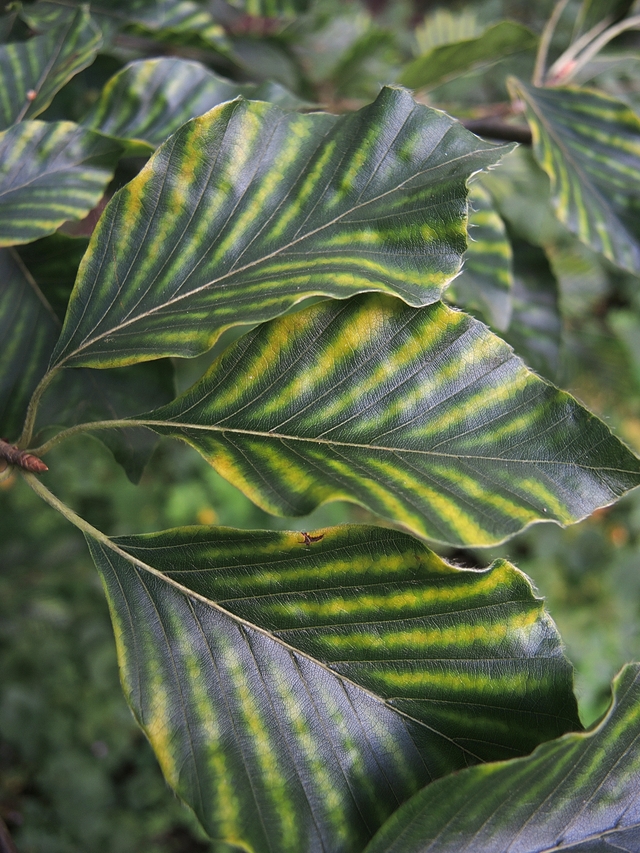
(20, 458)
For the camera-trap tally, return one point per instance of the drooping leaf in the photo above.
(28, 331)
(421, 415)
(149, 100)
(580, 793)
(296, 688)
(448, 60)
(50, 173)
(247, 210)
(32, 72)
(589, 145)
(535, 330)
(486, 279)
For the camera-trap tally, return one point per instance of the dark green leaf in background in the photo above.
(421, 415)
(53, 262)
(486, 279)
(535, 331)
(149, 100)
(50, 173)
(445, 61)
(592, 12)
(247, 210)
(589, 145)
(28, 331)
(580, 793)
(32, 72)
(297, 689)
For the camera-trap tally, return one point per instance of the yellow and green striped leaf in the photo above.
(271, 8)
(589, 146)
(486, 280)
(421, 415)
(580, 793)
(32, 72)
(298, 687)
(445, 61)
(248, 209)
(28, 331)
(150, 99)
(50, 173)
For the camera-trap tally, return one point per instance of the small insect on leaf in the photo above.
(308, 538)
(20, 458)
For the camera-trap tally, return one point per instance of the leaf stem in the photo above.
(64, 434)
(597, 44)
(574, 49)
(34, 402)
(545, 42)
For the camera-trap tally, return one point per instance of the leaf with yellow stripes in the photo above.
(50, 173)
(298, 687)
(272, 8)
(148, 100)
(589, 145)
(421, 415)
(579, 793)
(248, 209)
(31, 72)
(486, 280)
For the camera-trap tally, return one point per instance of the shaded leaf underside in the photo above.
(247, 210)
(580, 793)
(296, 692)
(421, 415)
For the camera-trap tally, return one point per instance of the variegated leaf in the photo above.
(271, 8)
(32, 72)
(486, 280)
(247, 210)
(589, 145)
(298, 687)
(421, 415)
(580, 793)
(50, 173)
(149, 100)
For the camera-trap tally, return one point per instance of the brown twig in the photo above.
(20, 458)
(496, 129)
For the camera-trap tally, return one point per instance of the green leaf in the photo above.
(150, 99)
(53, 262)
(247, 210)
(32, 72)
(535, 331)
(579, 793)
(271, 8)
(449, 60)
(589, 145)
(50, 173)
(592, 12)
(297, 689)
(421, 415)
(28, 331)
(486, 279)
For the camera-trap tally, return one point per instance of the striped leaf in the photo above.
(580, 793)
(535, 331)
(486, 279)
(589, 145)
(32, 72)
(28, 331)
(150, 99)
(271, 8)
(445, 61)
(297, 689)
(421, 415)
(247, 210)
(50, 173)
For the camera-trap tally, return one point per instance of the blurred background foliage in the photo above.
(75, 772)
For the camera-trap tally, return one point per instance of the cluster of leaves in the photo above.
(316, 690)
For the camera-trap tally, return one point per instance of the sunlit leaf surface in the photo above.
(421, 415)
(580, 793)
(297, 688)
(248, 209)
(50, 173)
(589, 145)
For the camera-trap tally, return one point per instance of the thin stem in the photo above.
(574, 49)
(34, 402)
(64, 434)
(596, 46)
(545, 42)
